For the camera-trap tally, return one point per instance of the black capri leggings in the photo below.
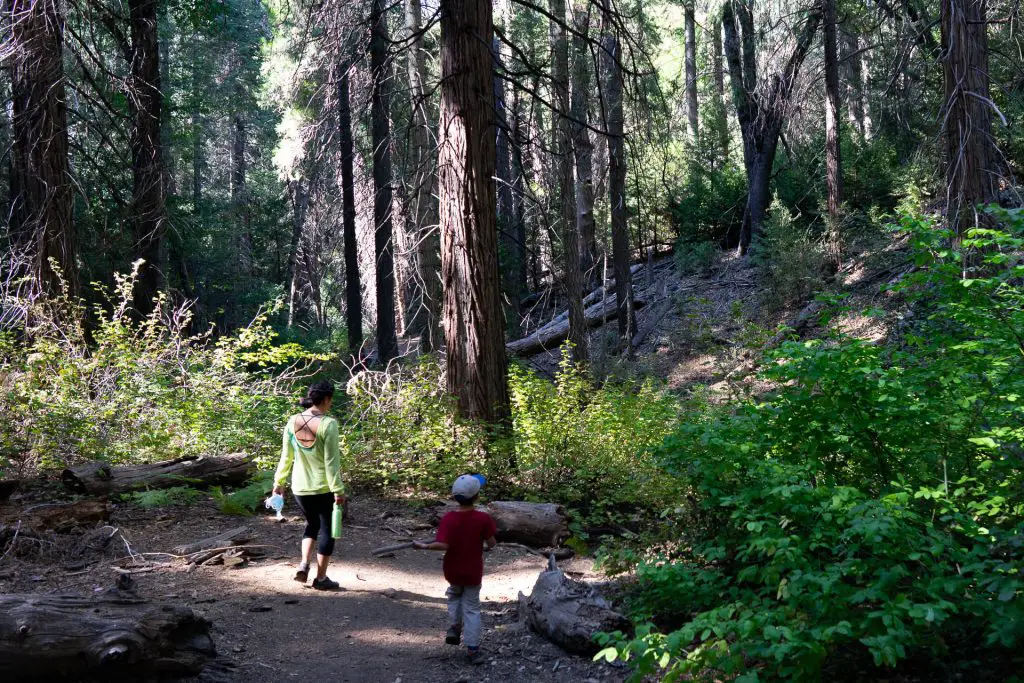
(318, 509)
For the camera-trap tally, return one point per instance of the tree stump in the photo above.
(568, 613)
(100, 478)
(109, 637)
(540, 525)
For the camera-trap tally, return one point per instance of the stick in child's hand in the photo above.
(397, 546)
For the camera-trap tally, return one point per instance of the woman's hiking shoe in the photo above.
(325, 584)
(302, 575)
(476, 657)
(453, 636)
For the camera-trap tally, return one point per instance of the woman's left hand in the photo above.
(279, 490)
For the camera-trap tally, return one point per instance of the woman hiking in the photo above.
(311, 456)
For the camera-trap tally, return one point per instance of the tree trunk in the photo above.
(424, 318)
(718, 73)
(540, 525)
(552, 335)
(97, 478)
(833, 156)
(614, 124)
(148, 201)
(972, 175)
(508, 249)
(240, 195)
(568, 613)
(583, 148)
(380, 67)
(519, 276)
(469, 241)
(110, 637)
(690, 48)
(300, 201)
(41, 198)
(353, 292)
(851, 61)
(63, 517)
(561, 150)
(761, 108)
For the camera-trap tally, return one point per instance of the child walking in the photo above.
(462, 535)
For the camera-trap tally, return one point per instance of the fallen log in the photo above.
(553, 334)
(540, 525)
(107, 637)
(568, 613)
(98, 478)
(65, 516)
(226, 539)
(652, 323)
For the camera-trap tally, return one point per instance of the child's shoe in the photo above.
(475, 656)
(453, 636)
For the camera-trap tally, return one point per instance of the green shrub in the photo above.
(571, 441)
(696, 258)
(139, 390)
(870, 513)
(791, 262)
(591, 447)
(175, 495)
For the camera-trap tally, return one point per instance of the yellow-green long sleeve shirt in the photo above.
(313, 470)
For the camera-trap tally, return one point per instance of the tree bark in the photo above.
(718, 73)
(380, 115)
(561, 150)
(690, 48)
(972, 175)
(614, 124)
(551, 336)
(540, 525)
(300, 201)
(509, 251)
(761, 108)
(239, 193)
(353, 291)
(833, 149)
(582, 146)
(568, 612)
(148, 200)
(97, 478)
(110, 637)
(423, 317)
(469, 243)
(41, 198)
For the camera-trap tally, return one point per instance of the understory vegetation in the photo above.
(867, 514)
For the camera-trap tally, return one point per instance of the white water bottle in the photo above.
(275, 503)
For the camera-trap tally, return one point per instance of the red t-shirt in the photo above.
(465, 533)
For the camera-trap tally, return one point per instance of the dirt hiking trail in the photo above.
(386, 624)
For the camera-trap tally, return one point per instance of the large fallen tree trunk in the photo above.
(568, 612)
(99, 478)
(553, 334)
(110, 637)
(540, 525)
(65, 516)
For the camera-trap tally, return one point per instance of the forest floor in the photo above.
(386, 624)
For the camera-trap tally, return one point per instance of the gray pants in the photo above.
(464, 611)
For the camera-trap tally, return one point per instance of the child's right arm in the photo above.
(432, 545)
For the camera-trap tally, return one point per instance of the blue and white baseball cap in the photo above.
(468, 485)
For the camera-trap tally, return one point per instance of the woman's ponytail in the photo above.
(317, 394)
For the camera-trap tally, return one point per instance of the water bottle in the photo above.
(275, 503)
(336, 518)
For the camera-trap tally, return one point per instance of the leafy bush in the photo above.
(175, 495)
(571, 441)
(138, 390)
(870, 513)
(696, 258)
(247, 499)
(710, 205)
(790, 261)
(590, 447)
